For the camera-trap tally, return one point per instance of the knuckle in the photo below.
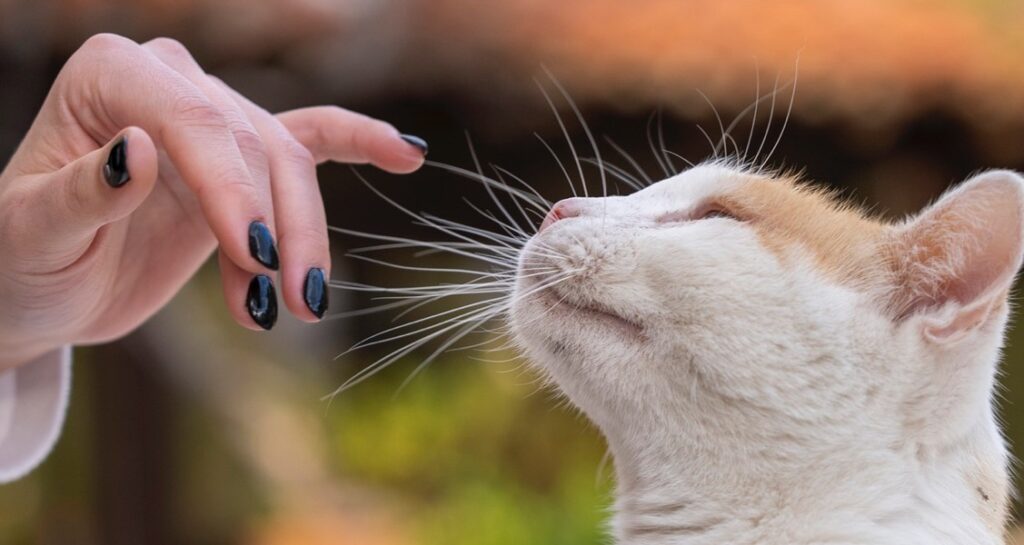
(253, 150)
(170, 46)
(237, 192)
(195, 109)
(106, 43)
(76, 198)
(247, 139)
(13, 227)
(357, 143)
(295, 153)
(306, 234)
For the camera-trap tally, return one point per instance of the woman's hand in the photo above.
(137, 166)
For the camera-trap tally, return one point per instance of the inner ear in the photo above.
(957, 259)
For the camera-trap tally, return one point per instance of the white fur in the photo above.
(754, 400)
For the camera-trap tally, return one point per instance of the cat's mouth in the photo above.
(564, 305)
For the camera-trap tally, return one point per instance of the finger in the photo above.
(336, 134)
(261, 232)
(259, 310)
(114, 79)
(302, 221)
(98, 188)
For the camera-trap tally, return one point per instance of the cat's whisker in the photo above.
(366, 311)
(417, 268)
(410, 213)
(479, 346)
(524, 184)
(789, 112)
(510, 284)
(654, 150)
(420, 292)
(753, 118)
(661, 143)
(494, 301)
(616, 172)
(421, 218)
(439, 247)
(390, 358)
(771, 116)
(558, 160)
(512, 235)
(509, 359)
(505, 241)
(477, 318)
(565, 133)
(632, 162)
(526, 218)
(440, 350)
(470, 175)
(724, 139)
(758, 99)
(494, 281)
(714, 152)
(489, 190)
(431, 250)
(584, 126)
(381, 336)
(674, 154)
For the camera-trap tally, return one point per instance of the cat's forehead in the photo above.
(697, 183)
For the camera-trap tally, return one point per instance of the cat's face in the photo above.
(734, 309)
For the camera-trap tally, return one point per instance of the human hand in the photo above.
(137, 166)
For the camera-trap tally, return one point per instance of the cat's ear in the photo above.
(954, 263)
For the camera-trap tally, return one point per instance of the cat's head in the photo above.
(739, 310)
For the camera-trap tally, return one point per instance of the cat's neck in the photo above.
(679, 495)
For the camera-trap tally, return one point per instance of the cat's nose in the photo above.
(565, 208)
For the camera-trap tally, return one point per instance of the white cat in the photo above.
(772, 367)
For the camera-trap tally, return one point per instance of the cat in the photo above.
(772, 366)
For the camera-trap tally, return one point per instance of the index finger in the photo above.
(331, 133)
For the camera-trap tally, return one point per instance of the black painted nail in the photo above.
(315, 293)
(115, 171)
(261, 301)
(420, 143)
(261, 245)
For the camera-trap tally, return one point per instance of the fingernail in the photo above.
(261, 301)
(315, 293)
(115, 171)
(261, 245)
(420, 143)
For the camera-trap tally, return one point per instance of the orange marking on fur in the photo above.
(789, 215)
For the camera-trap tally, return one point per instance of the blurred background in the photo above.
(193, 430)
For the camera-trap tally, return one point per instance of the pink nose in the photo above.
(565, 208)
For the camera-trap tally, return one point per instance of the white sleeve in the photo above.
(33, 400)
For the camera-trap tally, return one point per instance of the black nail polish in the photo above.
(315, 293)
(115, 171)
(261, 245)
(261, 301)
(420, 143)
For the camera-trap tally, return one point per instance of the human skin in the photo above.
(138, 166)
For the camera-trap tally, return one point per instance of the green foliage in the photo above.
(479, 453)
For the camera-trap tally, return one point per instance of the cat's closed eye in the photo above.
(715, 211)
(704, 212)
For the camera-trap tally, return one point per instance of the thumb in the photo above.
(98, 188)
